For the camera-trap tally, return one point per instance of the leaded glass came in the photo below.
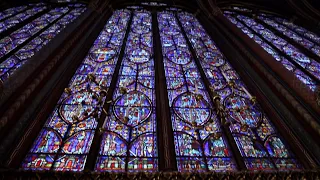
(121, 66)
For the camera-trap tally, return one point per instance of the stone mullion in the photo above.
(303, 49)
(303, 92)
(295, 31)
(29, 7)
(231, 142)
(33, 36)
(21, 24)
(95, 147)
(279, 51)
(48, 74)
(281, 111)
(166, 148)
(12, 52)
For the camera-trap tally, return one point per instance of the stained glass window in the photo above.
(256, 137)
(24, 42)
(311, 36)
(18, 18)
(129, 139)
(114, 88)
(198, 139)
(65, 140)
(304, 67)
(11, 12)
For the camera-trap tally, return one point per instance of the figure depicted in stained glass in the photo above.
(75, 119)
(292, 58)
(23, 43)
(132, 121)
(128, 133)
(193, 118)
(248, 124)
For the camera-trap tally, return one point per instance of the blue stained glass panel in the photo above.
(252, 130)
(296, 28)
(11, 11)
(295, 68)
(8, 23)
(67, 135)
(129, 140)
(305, 42)
(199, 142)
(12, 63)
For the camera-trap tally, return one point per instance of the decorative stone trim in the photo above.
(241, 175)
(285, 93)
(27, 92)
(62, 53)
(318, 96)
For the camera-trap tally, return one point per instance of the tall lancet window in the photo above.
(257, 139)
(12, 12)
(273, 34)
(198, 141)
(129, 140)
(111, 99)
(65, 140)
(26, 30)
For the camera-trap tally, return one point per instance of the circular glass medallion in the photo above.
(179, 56)
(104, 54)
(213, 58)
(241, 110)
(191, 109)
(80, 105)
(139, 55)
(132, 108)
